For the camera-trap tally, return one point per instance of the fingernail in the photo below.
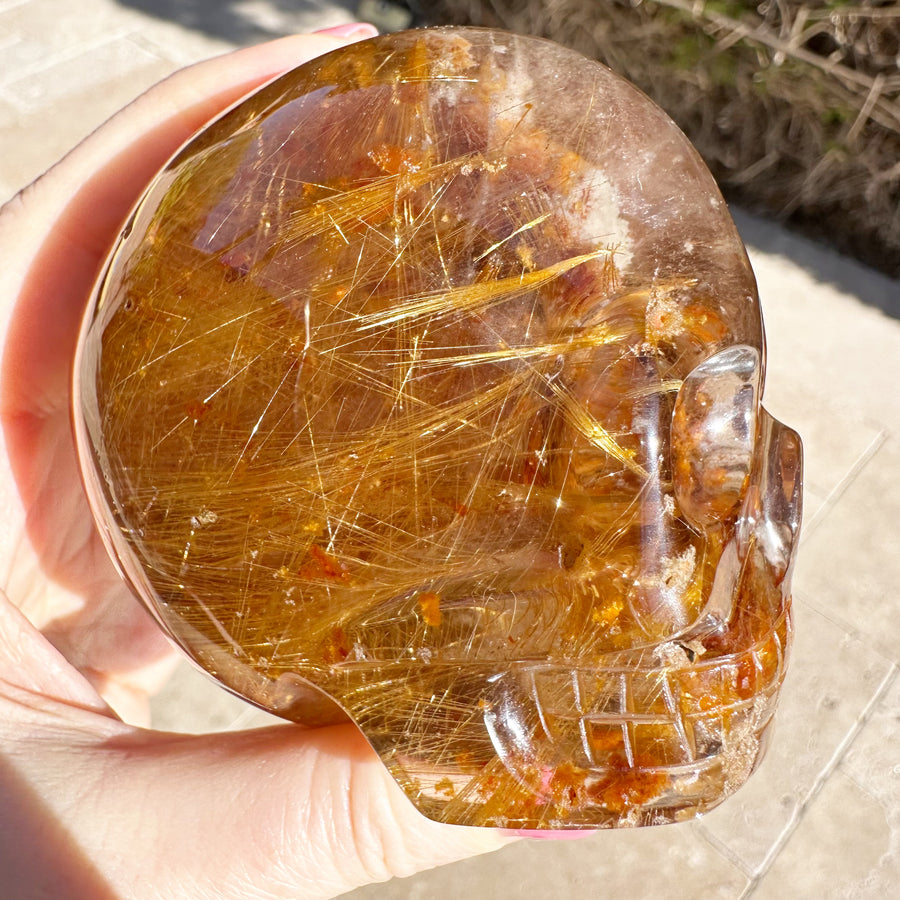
(546, 835)
(355, 30)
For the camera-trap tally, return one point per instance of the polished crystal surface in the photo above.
(423, 387)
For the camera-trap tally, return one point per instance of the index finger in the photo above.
(57, 232)
(55, 236)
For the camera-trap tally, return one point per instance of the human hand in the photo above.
(96, 806)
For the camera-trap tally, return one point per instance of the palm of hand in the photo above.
(58, 572)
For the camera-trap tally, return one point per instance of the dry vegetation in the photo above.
(794, 105)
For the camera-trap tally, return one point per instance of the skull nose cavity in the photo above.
(713, 434)
(776, 512)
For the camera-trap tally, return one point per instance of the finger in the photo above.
(277, 812)
(55, 236)
(57, 232)
(281, 812)
(30, 667)
(315, 814)
(132, 146)
(274, 813)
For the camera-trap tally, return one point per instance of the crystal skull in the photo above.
(423, 388)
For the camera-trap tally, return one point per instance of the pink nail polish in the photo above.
(350, 30)
(546, 835)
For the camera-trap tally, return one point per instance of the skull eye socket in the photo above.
(713, 435)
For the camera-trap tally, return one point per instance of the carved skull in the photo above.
(423, 387)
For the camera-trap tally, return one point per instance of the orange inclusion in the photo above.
(566, 786)
(394, 160)
(606, 737)
(322, 565)
(704, 323)
(197, 410)
(337, 649)
(625, 787)
(445, 786)
(430, 604)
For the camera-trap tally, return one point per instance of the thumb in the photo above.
(279, 813)
(99, 809)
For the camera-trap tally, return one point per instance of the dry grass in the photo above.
(794, 105)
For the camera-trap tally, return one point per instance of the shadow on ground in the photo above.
(822, 262)
(249, 21)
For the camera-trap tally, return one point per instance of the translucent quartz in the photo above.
(422, 387)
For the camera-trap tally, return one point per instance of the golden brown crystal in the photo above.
(423, 387)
